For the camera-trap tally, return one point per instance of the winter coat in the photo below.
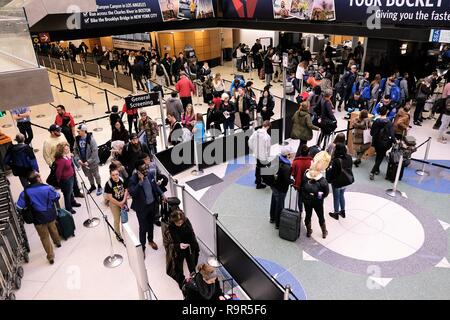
(21, 159)
(175, 106)
(91, 150)
(335, 174)
(358, 131)
(401, 121)
(283, 177)
(302, 126)
(185, 86)
(299, 167)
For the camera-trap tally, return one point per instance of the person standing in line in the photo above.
(117, 195)
(174, 105)
(21, 159)
(159, 73)
(260, 143)
(144, 192)
(65, 175)
(86, 151)
(404, 89)
(383, 137)
(228, 110)
(168, 65)
(280, 186)
(445, 121)
(266, 105)
(244, 106)
(199, 129)
(218, 84)
(204, 285)
(119, 132)
(301, 163)
(268, 66)
(328, 122)
(340, 176)
(183, 246)
(132, 151)
(188, 117)
(349, 79)
(314, 190)
(302, 126)
(41, 199)
(132, 118)
(361, 124)
(138, 72)
(67, 123)
(151, 131)
(185, 88)
(176, 130)
(49, 148)
(22, 117)
(401, 122)
(424, 90)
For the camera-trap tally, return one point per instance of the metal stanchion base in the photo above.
(393, 193)
(422, 173)
(113, 261)
(213, 262)
(36, 150)
(7, 125)
(40, 116)
(91, 223)
(97, 129)
(77, 116)
(284, 143)
(197, 172)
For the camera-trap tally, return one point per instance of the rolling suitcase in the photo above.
(290, 221)
(393, 162)
(65, 224)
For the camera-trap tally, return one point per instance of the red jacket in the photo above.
(185, 87)
(64, 169)
(129, 112)
(59, 119)
(299, 167)
(217, 102)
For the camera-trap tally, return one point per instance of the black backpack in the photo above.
(159, 70)
(384, 137)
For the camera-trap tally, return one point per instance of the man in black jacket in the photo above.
(328, 122)
(138, 72)
(382, 133)
(244, 107)
(355, 103)
(131, 153)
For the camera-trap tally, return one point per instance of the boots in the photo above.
(324, 230)
(308, 230)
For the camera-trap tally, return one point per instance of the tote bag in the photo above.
(367, 138)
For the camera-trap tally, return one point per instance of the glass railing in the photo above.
(16, 49)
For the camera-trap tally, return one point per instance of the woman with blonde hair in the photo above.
(65, 175)
(314, 190)
(188, 117)
(204, 285)
(218, 85)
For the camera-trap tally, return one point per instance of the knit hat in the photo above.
(82, 127)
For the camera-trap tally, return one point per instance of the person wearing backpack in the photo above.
(159, 73)
(314, 190)
(424, 90)
(382, 133)
(328, 122)
(176, 129)
(340, 175)
(349, 79)
(386, 103)
(404, 89)
(131, 153)
(444, 121)
(116, 193)
(21, 159)
(228, 110)
(40, 198)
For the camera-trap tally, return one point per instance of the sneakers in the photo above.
(334, 215)
(442, 140)
(99, 191)
(76, 204)
(261, 186)
(417, 123)
(92, 188)
(342, 213)
(153, 245)
(371, 176)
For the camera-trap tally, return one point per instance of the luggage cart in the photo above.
(18, 248)
(5, 287)
(15, 270)
(12, 281)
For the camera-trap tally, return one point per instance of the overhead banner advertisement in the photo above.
(121, 12)
(407, 12)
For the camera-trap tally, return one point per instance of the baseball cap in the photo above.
(82, 127)
(54, 127)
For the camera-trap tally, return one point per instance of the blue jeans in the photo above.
(67, 190)
(276, 205)
(338, 199)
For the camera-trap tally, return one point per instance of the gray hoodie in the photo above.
(175, 106)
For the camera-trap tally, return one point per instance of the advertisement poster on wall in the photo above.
(122, 12)
(391, 12)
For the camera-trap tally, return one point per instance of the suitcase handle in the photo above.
(291, 187)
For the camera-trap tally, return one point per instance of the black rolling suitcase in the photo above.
(65, 224)
(393, 162)
(290, 221)
(104, 152)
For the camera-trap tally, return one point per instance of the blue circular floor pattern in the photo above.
(284, 277)
(438, 181)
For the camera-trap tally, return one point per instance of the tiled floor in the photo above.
(377, 229)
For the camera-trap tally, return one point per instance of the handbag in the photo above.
(367, 138)
(27, 212)
(51, 180)
(124, 214)
(347, 175)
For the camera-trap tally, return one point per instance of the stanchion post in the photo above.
(394, 192)
(287, 292)
(113, 260)
(107, 102)
(83, 70)
(91, 222)
(115, 78)
(422, 171)
(212, 260)
(161, 110)
(75, 88)
(132, 84)
(62, 65)
(283, 102)
(99, 73)
(60, 83)
(197, 171)
(71, 66)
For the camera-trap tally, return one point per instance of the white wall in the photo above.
(249, 36)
